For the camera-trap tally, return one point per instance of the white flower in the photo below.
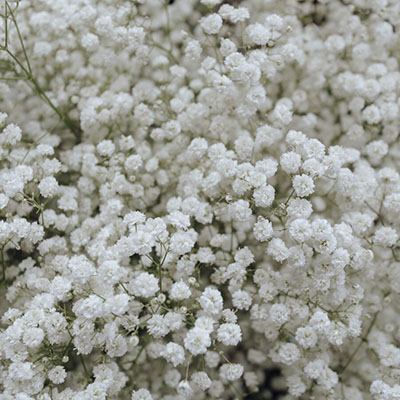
(118, 304)
(288, 353)
(240, 210)
(144, 285)
(278, 250)
(211, 301)
(211, 3)
(33, 337)
(183, 242)
(279, 313)
(300, 230)
(197, 341)
(81, 269)
(157, 326)
(257, 34)
(290, 162)
(263, 229)
(180, 291)
(20, 370)
(48, 186)
(231, 372)
(201, 380)
(211, 24)
(385, 236)
(57, 374)
(205, 323)
(264, 196)
(141, 394)
(105, 148)
(133, 163)
(229, 334)
(11, 135)
(306, 337)
(90, 41)
(174, 353)
(91, 307)
(241, 300)
(303, 185)
(184, 389)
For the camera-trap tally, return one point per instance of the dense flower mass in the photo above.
(200, 199)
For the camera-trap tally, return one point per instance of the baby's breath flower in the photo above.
(197, 196)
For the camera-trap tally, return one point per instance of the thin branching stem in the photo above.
(21, 41)
(3, 265)
(27, 73)
(5, 25)
(362, 340)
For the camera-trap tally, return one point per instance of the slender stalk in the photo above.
(21, 41)
(3, 265)
(84, 367)
(5, 25)
(160, 276)
(363, 340)
(168, 27)
(27, 71)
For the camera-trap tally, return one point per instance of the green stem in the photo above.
(160, 276)
(3, 265)
(84, 367)
(21, 41)
(67, 121)
(363, 340)
(27, 70)
(5, 25)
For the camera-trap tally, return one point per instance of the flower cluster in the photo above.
(198, 195)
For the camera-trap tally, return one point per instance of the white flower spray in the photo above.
(197, 196)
